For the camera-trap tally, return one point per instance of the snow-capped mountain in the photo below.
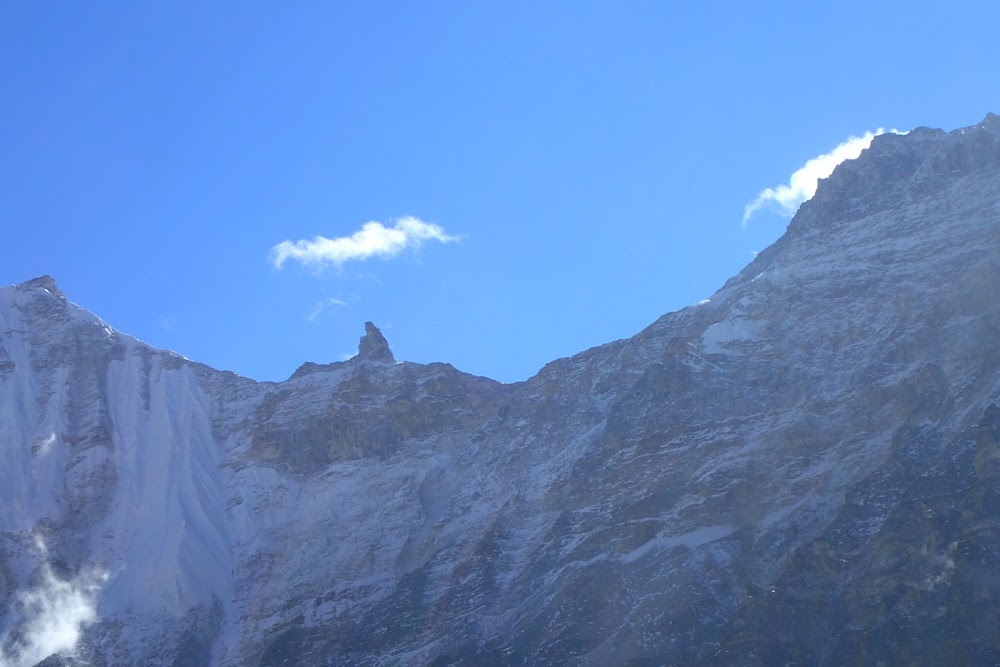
(805, 469)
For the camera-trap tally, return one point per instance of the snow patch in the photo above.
(691, 540)
(726, 332)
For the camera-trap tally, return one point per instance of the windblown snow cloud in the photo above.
(51, 618)
(786, 199)
(373, 240)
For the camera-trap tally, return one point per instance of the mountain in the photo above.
(805, 469)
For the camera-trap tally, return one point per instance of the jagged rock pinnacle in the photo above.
(373, 345)
(46, 283)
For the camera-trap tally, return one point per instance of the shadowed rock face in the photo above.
(363, 409)
(374, 346)
(803, 470)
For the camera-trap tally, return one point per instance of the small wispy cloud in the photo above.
(786, 199)
(41, 447)
(166, 322)
(373, 240)
(52, 616)
(320, 306)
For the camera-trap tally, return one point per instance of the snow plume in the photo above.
(373, 240)
(802, 184)
(49, 618)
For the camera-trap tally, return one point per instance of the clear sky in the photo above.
(565, 172)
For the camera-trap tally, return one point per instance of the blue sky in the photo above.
(586, 165)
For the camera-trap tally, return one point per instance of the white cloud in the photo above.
(373, 240)
(320, 306)
(52, 617)
(802, 184)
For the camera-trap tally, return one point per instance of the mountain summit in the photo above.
(46, 283)
(801, 470)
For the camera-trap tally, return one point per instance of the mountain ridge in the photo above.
(800, 469)
(980, 142)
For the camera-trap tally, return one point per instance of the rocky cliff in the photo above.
(805, 469)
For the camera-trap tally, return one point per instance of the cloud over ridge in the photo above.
(373, 240)
(786, 199)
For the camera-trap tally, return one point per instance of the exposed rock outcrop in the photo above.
(373, 345)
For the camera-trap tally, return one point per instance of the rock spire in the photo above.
(373, 346)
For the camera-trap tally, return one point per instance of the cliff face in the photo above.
(804, 469)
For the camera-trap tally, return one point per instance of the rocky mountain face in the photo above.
(805, 469)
